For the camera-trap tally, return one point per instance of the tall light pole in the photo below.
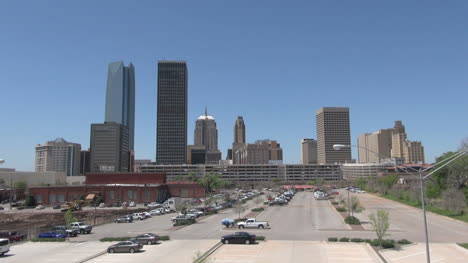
(11, 184)
(421, 172)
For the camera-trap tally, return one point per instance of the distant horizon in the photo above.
(275, 64)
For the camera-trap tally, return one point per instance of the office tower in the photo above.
(196, 154)
(374, 147)
(109, 148)
(309, 151)
(413, 152)
(333, 128)
(239, 137)
(260, 152)
(85, 162)
(171, 137)
(398, 140)
(58, 156)
(206, 134)
(120, 97)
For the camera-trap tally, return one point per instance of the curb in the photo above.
(208, 253)
(339, 215)
(92, 257)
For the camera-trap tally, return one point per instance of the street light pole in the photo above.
(421, 182)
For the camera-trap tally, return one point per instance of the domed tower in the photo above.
(206, 135)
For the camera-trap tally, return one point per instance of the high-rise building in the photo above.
(260, 152)
(309, 151)
(58, 156)
(374, 147)
(196, 154)
(85, 162)
(206, 134)
(398, 140)
(171, 137)
(239, 137)
(413, 152)
(333, 128)
(120, 97)
(109, 148)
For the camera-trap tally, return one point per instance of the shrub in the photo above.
(164, 238)
(211, 213)
(351, 220)
(388, 243)
(357, 240)
(374, 243)
(344, 239)
(184, 222)
(258, 209)
(404, 242)
(341, 209)
(334, 203)
(260, 238)
(48, 239)
(332, 239)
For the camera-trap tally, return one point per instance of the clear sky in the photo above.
(273, 62)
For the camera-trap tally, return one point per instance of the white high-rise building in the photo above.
(58, 156)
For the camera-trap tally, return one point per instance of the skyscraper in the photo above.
(239, 137)
(58, 156)
(109, 148)
(373, 147)
(333, 128)
(309, 151)
(171, 130)
(206, 134)
(398, 140)
(120, 97)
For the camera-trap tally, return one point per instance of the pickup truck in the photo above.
(70, 231)
(253, 223)
(82, 227)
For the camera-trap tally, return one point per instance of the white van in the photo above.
(4, 246)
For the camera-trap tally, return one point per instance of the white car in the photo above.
(155, 212)
(132, 204)
(139, 216)
(40, 207)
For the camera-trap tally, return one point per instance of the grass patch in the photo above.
(184, 222)
(404, 242)
(432, 209)
(464, 245)
(48, 240)
(114, 239)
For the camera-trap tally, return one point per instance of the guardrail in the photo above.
(208, 253)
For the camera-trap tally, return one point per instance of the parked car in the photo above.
(148, 238)
(53, 234)
(82, 227)
(70, 231)
(125, 246)
(124, 219)
(139, 216)
(13, 236)
(147, 214)
(155, 212)
(239, 238)
(196, 212)
(102, 205)
(253, 223)
(40, 207)
(132, 204)
(180, 217)
(56, 207)
(4, 246)
(153, 205)
(190, 215)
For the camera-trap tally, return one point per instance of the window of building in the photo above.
(38, 198)
(111, 195)
(52, 198)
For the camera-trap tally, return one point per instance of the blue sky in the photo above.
(273, 62)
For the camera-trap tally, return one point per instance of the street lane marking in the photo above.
(407, 256)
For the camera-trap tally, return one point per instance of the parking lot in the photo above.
(295, 251)
(440, 253)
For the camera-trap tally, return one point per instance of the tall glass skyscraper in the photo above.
(171, 130)
(120, 97)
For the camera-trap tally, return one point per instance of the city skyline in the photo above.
(340, 60)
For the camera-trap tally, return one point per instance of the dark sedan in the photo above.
(124, 219)
(148, 238)
(125, 246)
(53, 234)
(239, 238)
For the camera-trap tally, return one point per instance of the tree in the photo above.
(20, 185)
(380, 222)
(433, 190)
(454, 200)
(69, 218)
(354, 205)
(239, 208)
(258, 200)
(210, 182)
(361, 183)
(30, 201)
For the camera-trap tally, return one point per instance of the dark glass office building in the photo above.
(171, 130)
